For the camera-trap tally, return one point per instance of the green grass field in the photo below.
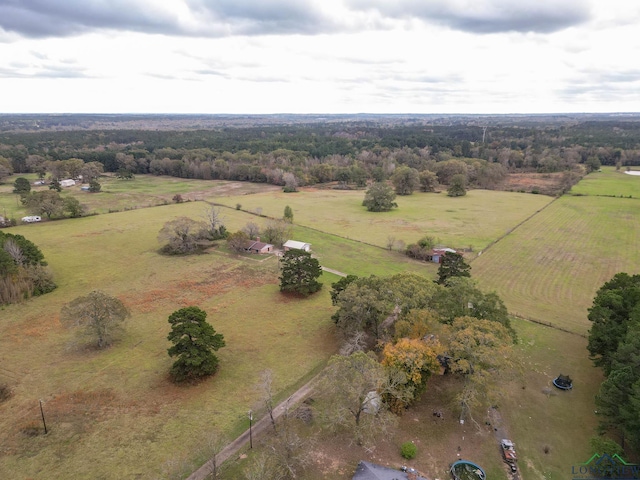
(550, 268)
(114, 414)
(609, 182)
(140, 192)
(475, 220)
(539, 415)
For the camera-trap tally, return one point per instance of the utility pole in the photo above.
(250, 432)
(43, 422)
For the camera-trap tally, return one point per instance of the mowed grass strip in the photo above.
(609, 182)
(551, 427)
(474, 220)
(550, 268)
(114, 414)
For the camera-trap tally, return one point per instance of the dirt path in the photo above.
(331, 270)
(500, 432)
(258, 428)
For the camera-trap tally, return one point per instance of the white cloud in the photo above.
(206, 56)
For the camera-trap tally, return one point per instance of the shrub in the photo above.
(5, 392)
(408, 450)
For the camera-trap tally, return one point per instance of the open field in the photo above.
(475, 220)
(541, 415)
(609, 182)
(550, 268)
(114, 414)
(142, 191)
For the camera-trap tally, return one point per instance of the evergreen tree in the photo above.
(299, 272)
(453, 265)
(94, 186)
(288, 214)
(194, 341)
(615, 308)
(21, 186)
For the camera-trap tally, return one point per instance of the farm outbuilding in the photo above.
(436, 254)
(295, 245)
(67, 183)
(256, 246)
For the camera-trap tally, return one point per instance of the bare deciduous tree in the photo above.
(214, 444)
(263, 466)
(391, 241)
(290, 182)
(99, 316)
(251, 229)
(354, 343)
(266, 389)
(214, 220)
(276, 232)
(14, 250)
(181, 235)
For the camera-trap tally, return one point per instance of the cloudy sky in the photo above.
(319, 56)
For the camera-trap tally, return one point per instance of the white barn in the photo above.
(295, 245)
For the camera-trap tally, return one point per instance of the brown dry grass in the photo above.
(543, 183)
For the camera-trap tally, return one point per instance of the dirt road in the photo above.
(500, 432)
(258, 428)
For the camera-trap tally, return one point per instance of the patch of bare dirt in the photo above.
(432, 424)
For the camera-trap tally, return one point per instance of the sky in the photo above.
(319, 56)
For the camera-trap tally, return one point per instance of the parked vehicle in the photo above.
(509, 453)
(31, 219)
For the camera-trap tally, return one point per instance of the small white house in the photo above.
(31, 219)
(67, 183)
(295, 245)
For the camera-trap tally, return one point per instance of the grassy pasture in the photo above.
(608, 182)
(551, 267)
(540, 415)
(114, 414)
(142, 191)
(475, 220)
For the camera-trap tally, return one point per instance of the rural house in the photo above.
(67, 183)
(294, 245)
(256, 246)
(371, 471)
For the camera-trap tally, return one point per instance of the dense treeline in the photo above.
(614, 345)
(353, 152)
(23, 271)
